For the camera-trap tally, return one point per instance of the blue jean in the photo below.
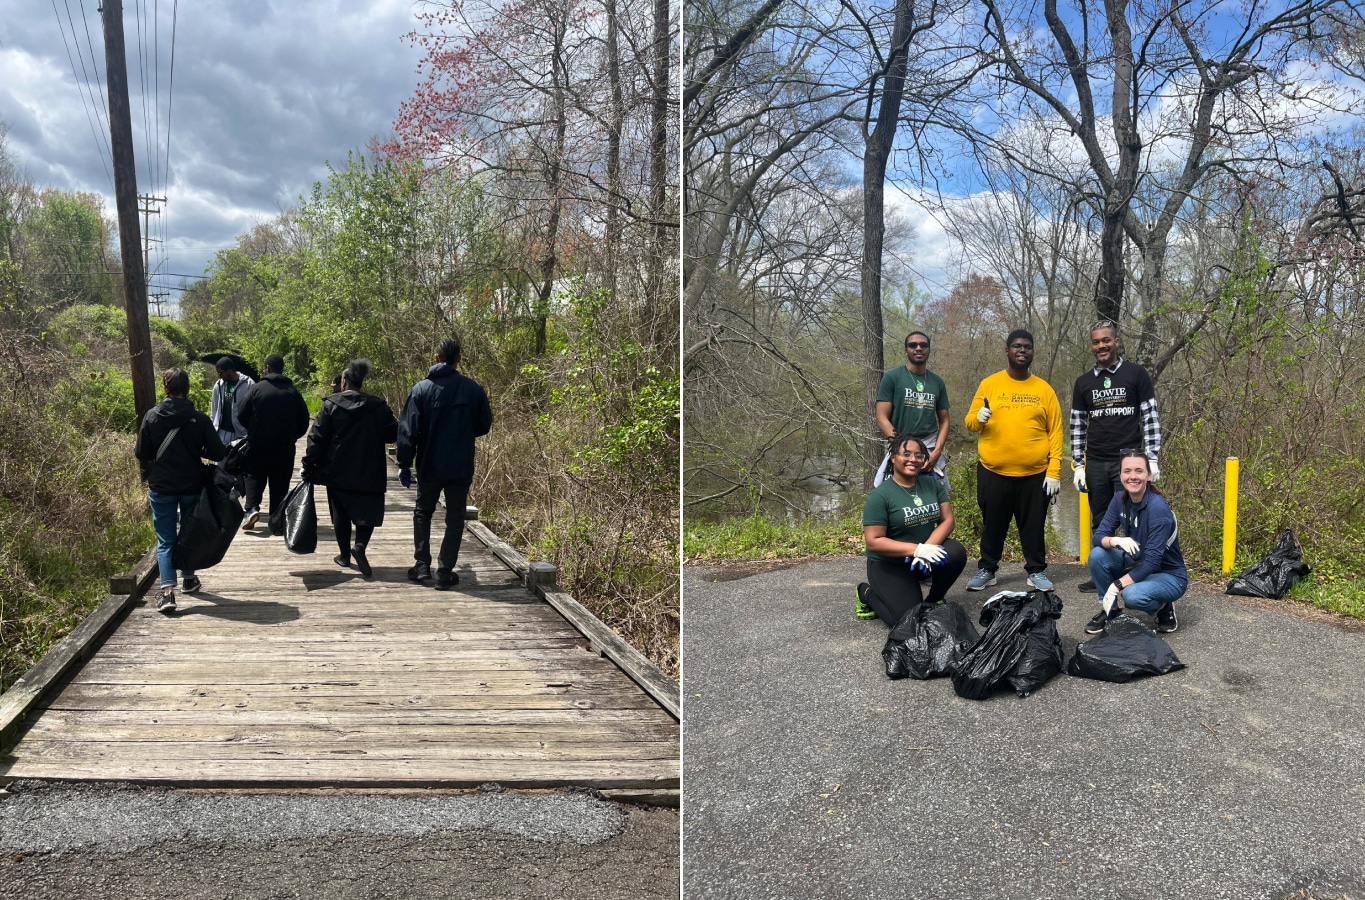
(164, 521)
(1148, 595)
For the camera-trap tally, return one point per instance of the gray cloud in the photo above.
(265, 93)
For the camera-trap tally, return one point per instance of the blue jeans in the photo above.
(1148, 595)
(164, 521)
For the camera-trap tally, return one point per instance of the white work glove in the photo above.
(1052, 486)
(1079, 476)
(1111, 597)
(1126, 544)
(983, 414)
(1156, 470)
(933, 554)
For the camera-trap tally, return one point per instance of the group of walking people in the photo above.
(1135, 560)
(345, 452)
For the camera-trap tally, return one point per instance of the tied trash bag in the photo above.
(238, 458)
(1009, 650)
(1273, 576)
(208, 530)
(1126, 650)
(928, 641)
(300, 519)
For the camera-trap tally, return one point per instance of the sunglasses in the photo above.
(914, 345)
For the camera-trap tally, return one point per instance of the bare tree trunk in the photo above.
(554, 169)
(615, 123)
(662, 250)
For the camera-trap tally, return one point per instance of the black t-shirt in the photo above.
(1112, 402)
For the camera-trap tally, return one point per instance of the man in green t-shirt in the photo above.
(912, 400)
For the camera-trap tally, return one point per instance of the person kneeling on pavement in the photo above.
(906, 523)
(1144, 569)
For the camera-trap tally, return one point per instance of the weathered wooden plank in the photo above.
(504, 551)
(136, 581)
(390, 717)
(57, 729)
(322, 700)
(613, 646)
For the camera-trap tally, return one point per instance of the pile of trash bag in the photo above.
(1273, 576)
(208, 530)
(1126, 650)
(1020, 646)
(928, 641)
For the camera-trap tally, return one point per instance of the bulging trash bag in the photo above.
(1008, 650)
(1042, 656)
(1126, 650)
(300, 519)
(928, 641)
(1273, 576)
(238, 459)
(208, 530)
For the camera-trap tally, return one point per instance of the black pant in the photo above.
(895, 587)
(273, 467)
(428, 492)
(1003, 498)
(342, 518)
(1101, 483)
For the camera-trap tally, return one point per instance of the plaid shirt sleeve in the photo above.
(1079, 423)
(1151, 428)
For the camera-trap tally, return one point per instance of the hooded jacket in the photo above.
(1152, 524)
(441, 417)
(346, 446)
(179, 471)
(218, 401)
(274, 413)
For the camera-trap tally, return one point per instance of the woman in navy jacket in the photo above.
(1143, 569)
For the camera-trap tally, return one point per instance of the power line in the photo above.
(100, 148)
(90, 42)
(170, 94)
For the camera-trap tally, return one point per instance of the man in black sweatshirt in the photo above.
(276, 416)
(171, 442)
(442, 416)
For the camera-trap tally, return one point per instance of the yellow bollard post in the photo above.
(1230, 515)
(1085, 527)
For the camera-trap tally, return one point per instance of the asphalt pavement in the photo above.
(137, 843)
(809, 774)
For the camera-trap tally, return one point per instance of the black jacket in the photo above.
(274, 413)
(441, 417)
(346, 446)
(180, 469)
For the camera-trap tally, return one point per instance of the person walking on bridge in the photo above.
(912, 400)
(1019, 461)
(345, 452)
(172, 441)
(228, 391)
(442, 416)
(276, 415)
(1113, 406)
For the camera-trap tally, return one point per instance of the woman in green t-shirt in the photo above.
(906, 523)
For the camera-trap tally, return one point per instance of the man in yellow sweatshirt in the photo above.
(1019, 461)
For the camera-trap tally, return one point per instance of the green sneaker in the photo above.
(861, 609)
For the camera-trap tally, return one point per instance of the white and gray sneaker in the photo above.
(1040, 582)
(166, 604)
(983, 579)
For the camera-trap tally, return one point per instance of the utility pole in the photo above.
(125, 198)
(145, 207)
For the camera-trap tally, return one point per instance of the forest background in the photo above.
(1192, 171)
(526, 202)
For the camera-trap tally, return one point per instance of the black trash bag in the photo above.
(208, 530)
(1126, 650)
(300, 519)
(928, 641)
(1042, 657)
(1273, 576)
(238, 458)
(1009, 617)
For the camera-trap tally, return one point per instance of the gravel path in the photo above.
(807, 773)
(135, 843)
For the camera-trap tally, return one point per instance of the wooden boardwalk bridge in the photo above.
(288, 671)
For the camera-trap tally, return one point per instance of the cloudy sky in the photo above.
(264, 93)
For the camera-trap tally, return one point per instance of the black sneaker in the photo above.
(343, 561)
(192, 584)
(420, 572)
(1097, 622)
(1086, 586)
(1165, 619)
(166, 605)
(361, 563)
(446, 580)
